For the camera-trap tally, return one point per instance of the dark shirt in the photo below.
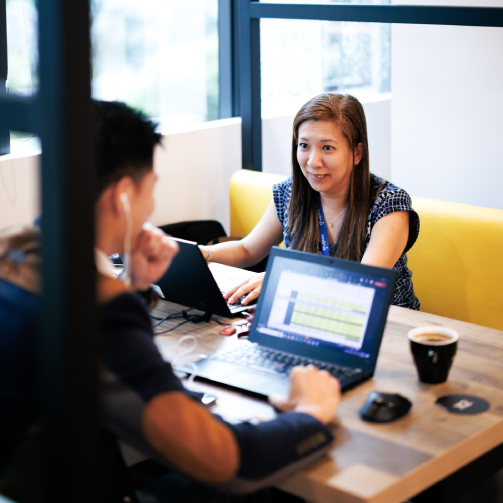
(18, 397)
(135, 374)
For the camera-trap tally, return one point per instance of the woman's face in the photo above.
(325, 157)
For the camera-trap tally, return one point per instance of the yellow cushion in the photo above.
(250, 193)
(457, 261)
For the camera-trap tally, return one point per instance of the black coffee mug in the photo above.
(433, 350)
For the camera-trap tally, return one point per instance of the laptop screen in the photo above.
(323, 308)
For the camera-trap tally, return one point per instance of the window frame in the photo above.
(246, 15)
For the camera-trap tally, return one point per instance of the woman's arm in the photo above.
(250, 250)
(388, 240)
(254, 247)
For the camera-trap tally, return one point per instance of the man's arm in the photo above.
(147, 405)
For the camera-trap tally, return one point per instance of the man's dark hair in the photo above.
(124, 140)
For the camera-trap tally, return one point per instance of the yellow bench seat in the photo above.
(457, 261)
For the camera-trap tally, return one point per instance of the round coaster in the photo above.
(463, 404)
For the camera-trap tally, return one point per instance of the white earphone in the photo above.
(125, 202)
(127, 238)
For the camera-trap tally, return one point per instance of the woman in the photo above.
(332, 204)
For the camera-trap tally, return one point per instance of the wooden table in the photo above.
(390, 463)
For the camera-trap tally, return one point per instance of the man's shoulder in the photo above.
(109, 288)
(121, 311)
(18, 308)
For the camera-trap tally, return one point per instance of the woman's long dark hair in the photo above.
(346, 112)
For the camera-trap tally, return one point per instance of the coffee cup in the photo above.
(433, 350)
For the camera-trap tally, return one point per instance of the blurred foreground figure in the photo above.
(144, 402)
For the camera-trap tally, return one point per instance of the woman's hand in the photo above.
(252, 286)
(312, 391)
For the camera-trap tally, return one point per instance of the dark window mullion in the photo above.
(409, 14)
(68, 342)
(248, 45)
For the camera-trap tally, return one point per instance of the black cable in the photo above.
(196, 318)
(172, 316)
(168, 317)
(220, 322)
(172, 328)
(193, 318)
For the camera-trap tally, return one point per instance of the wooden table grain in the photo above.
(386, 463)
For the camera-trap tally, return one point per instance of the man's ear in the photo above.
(124, 186)
(358, 154)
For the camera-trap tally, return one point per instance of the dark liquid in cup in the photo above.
(433, 354)
(431, 337)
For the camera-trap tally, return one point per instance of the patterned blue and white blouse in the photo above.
(390, 199)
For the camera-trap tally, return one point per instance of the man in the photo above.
(145, 403)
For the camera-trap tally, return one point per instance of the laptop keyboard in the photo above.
(278, 363)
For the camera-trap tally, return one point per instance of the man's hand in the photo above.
(252, 286)
(151, 256)
(312, 391)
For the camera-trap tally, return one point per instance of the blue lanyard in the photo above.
(325, 249)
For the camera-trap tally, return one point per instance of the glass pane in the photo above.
(303, 58)
(161, 57)
(22, 19)
(22, 75)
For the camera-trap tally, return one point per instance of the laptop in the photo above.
(312, 309)
(192, 282)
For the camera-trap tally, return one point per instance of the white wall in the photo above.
(19, 195)
(447, 110)
(378, 114)
(194, 168)
(277, 145)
